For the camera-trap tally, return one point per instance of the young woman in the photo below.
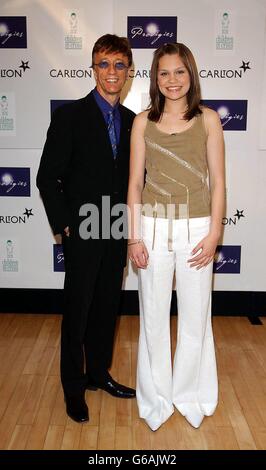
(178, 149)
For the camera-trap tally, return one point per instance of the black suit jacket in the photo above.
(77, 167)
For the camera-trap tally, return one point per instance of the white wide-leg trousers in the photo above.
(191, 384)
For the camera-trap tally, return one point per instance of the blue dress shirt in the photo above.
(106, 107)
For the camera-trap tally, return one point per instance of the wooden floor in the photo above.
(32, 411)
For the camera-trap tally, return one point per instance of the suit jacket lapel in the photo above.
(99, 121)
(124, 130)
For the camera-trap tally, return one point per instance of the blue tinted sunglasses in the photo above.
(104, 64)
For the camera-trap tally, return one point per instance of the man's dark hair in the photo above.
(112, 44)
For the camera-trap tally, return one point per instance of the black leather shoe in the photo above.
(76, 407)
(112, 387)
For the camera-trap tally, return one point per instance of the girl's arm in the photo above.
(215, 158)
(136, 248)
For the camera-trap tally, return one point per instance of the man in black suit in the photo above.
(85, 161)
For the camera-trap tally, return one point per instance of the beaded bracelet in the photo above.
(134, 243)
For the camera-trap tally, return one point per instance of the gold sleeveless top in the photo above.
(176, 172)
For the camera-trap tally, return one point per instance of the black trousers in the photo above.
(92, 292)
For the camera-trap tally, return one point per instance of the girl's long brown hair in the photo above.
(157, 99)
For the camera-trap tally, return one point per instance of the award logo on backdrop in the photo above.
(7, 114)
(234, 219)
(150, 32)
(227, 259)
(226, 73)
(13, 32)
(13, 72)
(59, 265)
(21, 218)
(225, 28)
(233, 113)
(72, 30)
(71, 73)
(9, 261)
(14, 181)
(139, 73)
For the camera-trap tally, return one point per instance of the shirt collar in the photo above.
(104, 106)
